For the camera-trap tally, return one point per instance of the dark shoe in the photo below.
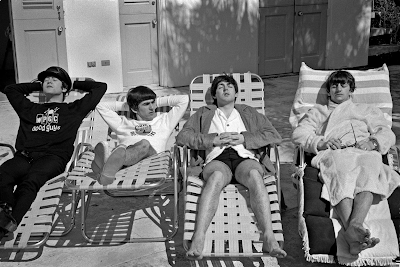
(7, 221)
(113, 164)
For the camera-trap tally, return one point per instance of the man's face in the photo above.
(146, 110)
(53, 86)
(225, 93)
(339, 92)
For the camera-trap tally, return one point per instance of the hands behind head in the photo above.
(228, 139)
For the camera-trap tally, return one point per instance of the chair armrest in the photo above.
(6, 153)
(75, 155)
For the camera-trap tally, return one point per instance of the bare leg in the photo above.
(105, 167)
(343, 209)
(138, 151)
(207, 207)
(260, 203)
(356, 235)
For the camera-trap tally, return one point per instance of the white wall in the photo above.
(348, 33)
(207, 36)
(93, 34)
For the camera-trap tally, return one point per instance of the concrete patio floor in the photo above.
(145, 216)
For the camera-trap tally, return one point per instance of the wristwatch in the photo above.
(375, 143)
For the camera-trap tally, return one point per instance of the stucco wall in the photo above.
(207, 36)
(92, 33)
(348, 33)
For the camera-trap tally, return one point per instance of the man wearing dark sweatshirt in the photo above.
(45, 139)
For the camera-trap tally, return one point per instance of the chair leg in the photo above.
(74, 206)
(85, 209)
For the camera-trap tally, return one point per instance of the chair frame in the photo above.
(111, 137)
(38, 218)
(253, 93)
(78, 181)
(185, 165)
(299, 162)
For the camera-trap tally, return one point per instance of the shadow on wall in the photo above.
(206, 36)
(349, 41)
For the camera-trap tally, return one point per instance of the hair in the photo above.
(64, 85)
(340, 77)
(222, 78)
(137, 95)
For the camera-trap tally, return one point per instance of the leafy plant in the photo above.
(388, 16)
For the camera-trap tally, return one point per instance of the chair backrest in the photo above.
(250, 92)
(372, 87)
(83, 136)
(250, 85)
(111, 136)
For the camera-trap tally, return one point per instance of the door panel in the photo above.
(139, 44)
(37, 47)
(37, 9)
(129, 7)
(310, 36)
(39, 37)
(276, 40)
(139, 60)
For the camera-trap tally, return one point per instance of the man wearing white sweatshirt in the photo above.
(145, 135)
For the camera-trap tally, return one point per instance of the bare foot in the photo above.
(196, 247)
(356, 232)
(372, 242)
(359, 239)
(271, 246)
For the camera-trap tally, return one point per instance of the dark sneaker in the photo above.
(101, 153)
(7, 221)
(113, 164)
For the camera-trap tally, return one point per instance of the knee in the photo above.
(255, 177)
(144, 144)
(216, 180)
(29, 186)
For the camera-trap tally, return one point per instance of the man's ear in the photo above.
(134, 111)
(64, 90)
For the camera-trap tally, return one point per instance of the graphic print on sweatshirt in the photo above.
(143, 129)
(48, 121)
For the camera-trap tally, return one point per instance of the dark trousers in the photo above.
(29, 173)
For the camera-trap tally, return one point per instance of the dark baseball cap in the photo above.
(57, 72)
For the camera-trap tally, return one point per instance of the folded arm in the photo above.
(260, 132)
(379, 130)
(191, 135)
(305, 133)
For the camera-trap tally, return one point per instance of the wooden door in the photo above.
(39, 37)
(276, 40)
(139, 43)
(310, 28)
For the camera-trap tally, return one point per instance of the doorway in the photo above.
(7, 72)
(291, 32)
(139, 42)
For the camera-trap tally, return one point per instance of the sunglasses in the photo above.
(354, 135)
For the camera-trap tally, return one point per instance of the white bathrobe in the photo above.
(346, 172)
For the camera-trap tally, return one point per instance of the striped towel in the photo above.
(372, 87)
